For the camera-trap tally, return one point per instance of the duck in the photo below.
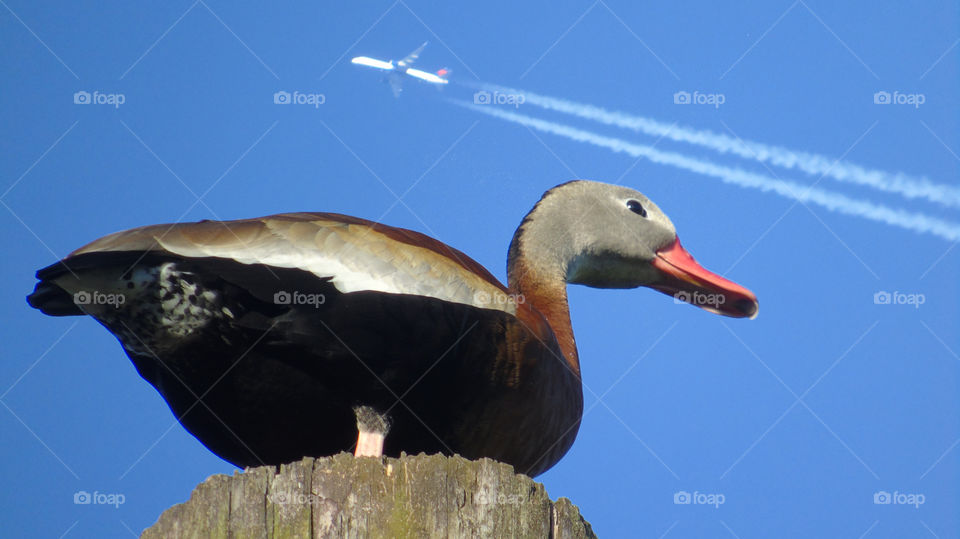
(309, 334)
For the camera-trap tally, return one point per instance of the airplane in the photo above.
(402, 67)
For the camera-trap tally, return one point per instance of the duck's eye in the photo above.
(636, 208)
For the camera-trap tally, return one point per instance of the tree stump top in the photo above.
(343, 496)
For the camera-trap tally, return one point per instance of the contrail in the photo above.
(917, 222)
(817, 165)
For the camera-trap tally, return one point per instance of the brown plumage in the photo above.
(272, 338)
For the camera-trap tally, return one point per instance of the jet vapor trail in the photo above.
(833, 201)
(814, 164)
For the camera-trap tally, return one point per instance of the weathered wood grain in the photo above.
(342, 496)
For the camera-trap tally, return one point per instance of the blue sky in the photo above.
(795, 420)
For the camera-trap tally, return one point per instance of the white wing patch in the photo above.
(357, 259)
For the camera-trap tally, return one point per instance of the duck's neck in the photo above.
(539, 256)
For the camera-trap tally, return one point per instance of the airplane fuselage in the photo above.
(397, 70)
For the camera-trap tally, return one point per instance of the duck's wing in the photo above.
(352, 253)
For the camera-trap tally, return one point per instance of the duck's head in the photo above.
(609, 236)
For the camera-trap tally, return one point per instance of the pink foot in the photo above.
(372, 427)
(369, 444)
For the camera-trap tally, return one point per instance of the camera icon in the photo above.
(681, 498)
(481, 98)
(280, 498)
(881, 98)
(81, 497)
(281, 98)
(82, 298)
(81, 98)
(682, 297)
(881, 497)
(681, 98)
(482, 298)
(282, 298)
(881, 298)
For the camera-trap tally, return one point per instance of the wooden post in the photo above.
(342, 496)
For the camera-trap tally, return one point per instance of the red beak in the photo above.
(687, 281)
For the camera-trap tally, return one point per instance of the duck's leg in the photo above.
(372, 427)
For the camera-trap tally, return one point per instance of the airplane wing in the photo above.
(372, 62)
(429, 77)
(402, 67)
(412, 57)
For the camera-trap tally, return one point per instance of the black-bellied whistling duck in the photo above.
(284, 336)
